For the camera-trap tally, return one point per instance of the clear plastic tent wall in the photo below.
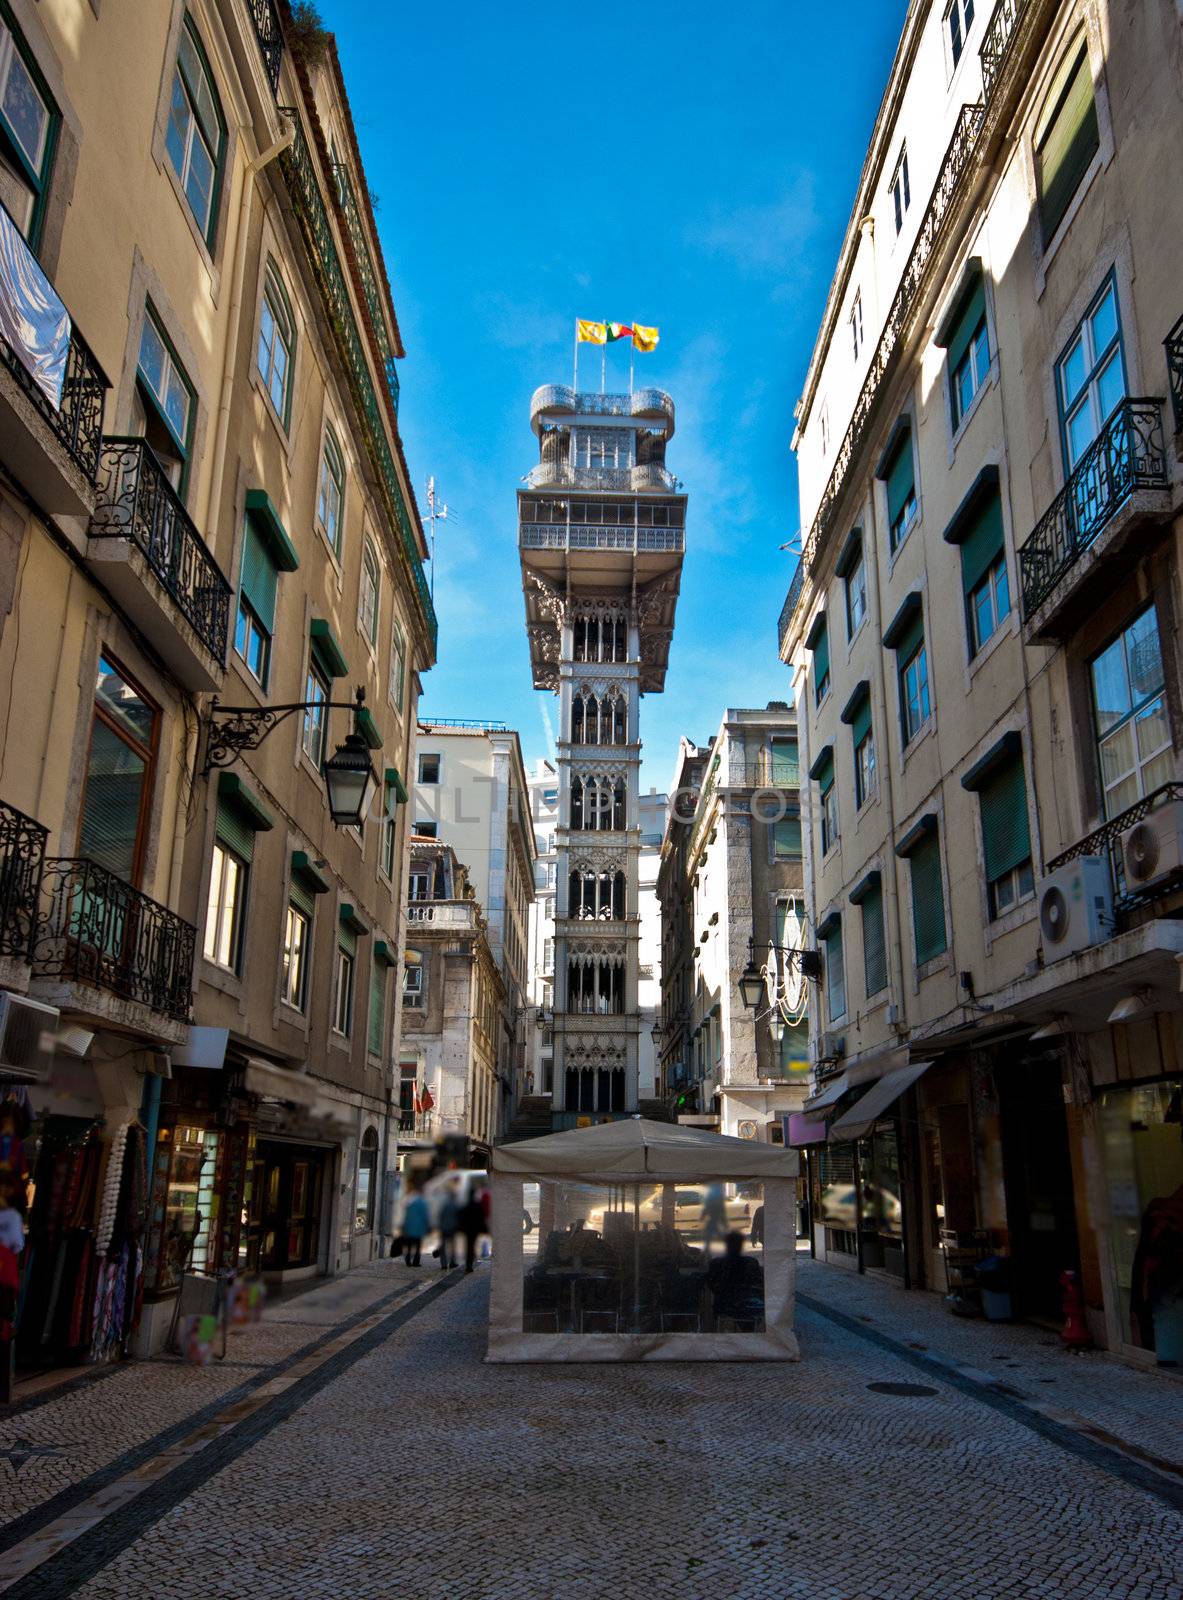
(643, 1241)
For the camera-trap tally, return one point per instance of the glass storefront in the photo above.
(881, 1215)
(1142, 1138)
(185, 1205)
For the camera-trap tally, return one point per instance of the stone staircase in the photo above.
(531, 1120)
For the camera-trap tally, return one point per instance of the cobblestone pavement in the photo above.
(378, 1457)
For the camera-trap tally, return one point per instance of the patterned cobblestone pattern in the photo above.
(415, 1470)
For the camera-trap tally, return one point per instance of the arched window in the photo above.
(617, 805)
(330, 499)
(367, 1181)
(1066, 137)
(277, 343)
(577, 802)
(196, 135)
(577, 719)
(369, 600)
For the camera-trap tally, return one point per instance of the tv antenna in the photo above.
(437, 510)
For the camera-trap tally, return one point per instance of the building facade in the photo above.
(601, 539)
(983, 643)
(471, 792)
(731, 884)
(652, 812)
(540, 1048)
(453, 1008)
(204, 495)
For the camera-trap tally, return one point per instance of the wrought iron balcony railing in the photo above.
(136, 501)
(551, 536)
(309, 206)
(1106, 841)
(561, 475)
(368, 272)
(1174, 348)
(640, 403)
(270, 36)
(997, 40)
(1128, 454)
(77, 420)
(790, 605)
(951, 181)
(97, 929)
(22, 859)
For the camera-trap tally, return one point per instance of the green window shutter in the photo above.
(909, 640)
(901, 476)
(347, 939)
(824, 774)
(821, 657)
(232, 830)
(928, 900)
(786, 837)
(794, 1050)
(258, 576)
(1067, 141)
(983, 543)
(1006, 840)
(835, 974)
(860, 725)
(302, 897)
(874, 944)
(785, 767)
(377, 1009)
(966, 325)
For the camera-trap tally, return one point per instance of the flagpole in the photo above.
(575, 375)
(632, 356)
(603, 364)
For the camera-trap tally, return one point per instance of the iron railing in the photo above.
(136, 501)
(1127, 454)
(640, 403)
(997, 40)
(22, 859)
(309, 206)
(270, 36)
(96, 928)
(946, 193)
(480, 723)
(375, 304)
(562, 475)
(545, 536)
(1106, 841)
(1174, 348)
(790, 605)
(77, 422)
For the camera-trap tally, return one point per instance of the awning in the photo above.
(830, 1094)
(866, 1111)
(278, 1083)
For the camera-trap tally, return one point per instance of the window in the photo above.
(835, 971)
(856, 324)
(224, 910)
(196, 131)
(856, 595)
(786, 839)
(419, 883)
(369, 602)
(899, 475)
(989, 602)
(297, 936)
(343, 992)
(825, 426)
(316, 693)
(829, 816)
(255, 624)
(866, 773)
(914, 692)
(376, 1030)
(427, 830)
(874, 943)
(967, 346)
(413, 987)
(429, 769)
(120, 768)
(819, 642)
(163, 402)
(1066, 139)
(901, 192)
(1090, 375)
(330, 497)
(389, 827)
(398, 665)
(959, 20)
(1133, 731)
(1006, 839)
(978, 532)
(928, 898)
(785, 765)
(277, 343)
(367, 1182)
(29, 122)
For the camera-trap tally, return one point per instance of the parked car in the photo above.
(839, 1209)
(739, 1204)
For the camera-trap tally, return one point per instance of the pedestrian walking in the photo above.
(416, 1221)
(472, 1225)
(714, 1216)
(449, 1224)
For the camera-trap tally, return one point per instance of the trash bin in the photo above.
(994, 1280)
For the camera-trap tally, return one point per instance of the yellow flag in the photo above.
(644, 339)
(590, 332)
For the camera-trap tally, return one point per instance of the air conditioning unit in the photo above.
(1152, 849)
(833, 1047)
(28, 1031)
(1075, 907)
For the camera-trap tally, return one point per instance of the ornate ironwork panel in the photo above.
(136, 501)
(1174, 348)
(997, 41)
(309, 206)
(375, 303)
(1127, 454)
(790, 605)
(78, 421)
(22, 858)
(270, 36)
(94, 928)
(1106, 841)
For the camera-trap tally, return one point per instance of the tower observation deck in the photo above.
(601, 534)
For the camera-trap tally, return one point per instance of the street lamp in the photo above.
(751, 984)
(752, 981)
(351, 781)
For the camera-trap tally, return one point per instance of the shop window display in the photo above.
(185, 1205)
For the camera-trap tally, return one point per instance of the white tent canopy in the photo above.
(643, 1287)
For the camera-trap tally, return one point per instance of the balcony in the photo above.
(51, 387)
(148, 553)
(1118, 489)
(1174, 348)
(628, 480)
(1010, 45)
(786, 611)
(269, 34)
(98, 932)
(22, 860)
(651, 404)
(461, 914)
(561, 536)
(1106, 841)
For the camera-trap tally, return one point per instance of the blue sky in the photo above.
(677, 164)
